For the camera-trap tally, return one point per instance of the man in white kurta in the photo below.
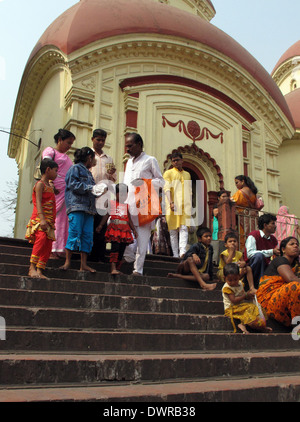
(139, 166)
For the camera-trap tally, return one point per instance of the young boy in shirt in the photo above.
(197, 264)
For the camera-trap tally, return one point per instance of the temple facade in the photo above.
(162, 69)
(286, 74)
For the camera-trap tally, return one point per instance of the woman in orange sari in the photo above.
(279, 288)
(245, 197)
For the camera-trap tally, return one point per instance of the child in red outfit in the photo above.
(41, 226)
(120, 228)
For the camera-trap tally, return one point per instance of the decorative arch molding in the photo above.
(202, 160)
(37, 75)
(180, 81)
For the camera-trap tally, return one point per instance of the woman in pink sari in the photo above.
(286, 224)
(64, 140)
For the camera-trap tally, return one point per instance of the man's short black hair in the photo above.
(265, 219)
(136, 138)
(99, 132)
(176, 154)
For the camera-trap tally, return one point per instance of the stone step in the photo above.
(109, 320)
(11, 257)
(111, 285)
(155, 278)
(95, 340)
(259, 389)
(51, 369)
(95, 337)
(17, 297)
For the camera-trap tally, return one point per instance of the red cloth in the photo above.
(118, 229)
(41, 249)
(41, 239)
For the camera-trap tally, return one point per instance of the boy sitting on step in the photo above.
(197, 264)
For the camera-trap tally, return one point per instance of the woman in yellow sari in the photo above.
(245, 197)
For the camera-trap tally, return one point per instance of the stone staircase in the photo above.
(94, 337)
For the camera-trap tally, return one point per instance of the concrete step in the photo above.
(94, 337)
(260, 389)
(95, 340)
(17, 297)
(155, 279)
(52, 369)
(109, 320)
(108, 284)
(11, 257)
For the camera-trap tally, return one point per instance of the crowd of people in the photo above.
(72, 213)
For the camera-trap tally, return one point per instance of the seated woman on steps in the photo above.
(279, 288)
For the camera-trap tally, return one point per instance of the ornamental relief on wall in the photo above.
(193, 130)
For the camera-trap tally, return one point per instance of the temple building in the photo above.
(287, 76)
(162, 69)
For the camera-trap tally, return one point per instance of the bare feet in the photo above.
(115, 272)
(209, 286)
(40, 274)
(267, 330)
(64, 267)
(33, 273)
(243, 328)
(87, 268)
(170, 275)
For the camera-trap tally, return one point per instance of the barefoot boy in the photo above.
(231, 254)
(197, 263)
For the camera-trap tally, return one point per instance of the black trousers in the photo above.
(99, 245)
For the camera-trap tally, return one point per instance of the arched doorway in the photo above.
(202, 167)
(196, 175)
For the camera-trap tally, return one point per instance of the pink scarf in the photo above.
(286, 224)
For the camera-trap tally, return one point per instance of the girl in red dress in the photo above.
(41, 226)
(120, 227)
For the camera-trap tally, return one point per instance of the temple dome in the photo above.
(94, 20)
(293, 102)
(290, 53)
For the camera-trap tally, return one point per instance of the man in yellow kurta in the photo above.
(178, 190)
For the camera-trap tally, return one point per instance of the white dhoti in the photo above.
(179, 240)
(136, 252)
